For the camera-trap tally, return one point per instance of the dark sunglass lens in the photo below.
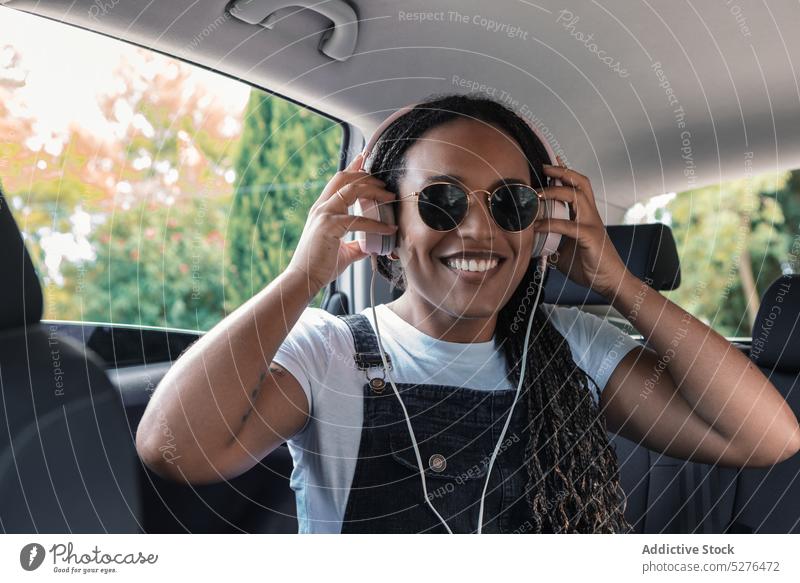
(442, 206)
(515, 206)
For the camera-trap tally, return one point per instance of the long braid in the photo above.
(573, 477)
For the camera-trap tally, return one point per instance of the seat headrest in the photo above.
(21, 300)
(776, 332)
(650, 253)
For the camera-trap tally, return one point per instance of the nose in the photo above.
(478, 224)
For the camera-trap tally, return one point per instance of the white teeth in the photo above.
(472, 264)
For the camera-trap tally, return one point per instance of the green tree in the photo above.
(733, 241)
(156, 266)
(789, 199)
(286, 156)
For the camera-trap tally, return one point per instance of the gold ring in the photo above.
(340, 196)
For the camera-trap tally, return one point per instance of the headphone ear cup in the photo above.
(389, 242)
(375, 242)
(547, 243)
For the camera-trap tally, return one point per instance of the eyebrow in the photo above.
(459, 179)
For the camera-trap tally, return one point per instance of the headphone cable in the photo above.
(374, 262)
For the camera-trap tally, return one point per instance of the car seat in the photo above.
(67, 460)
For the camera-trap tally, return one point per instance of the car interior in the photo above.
(67, 456)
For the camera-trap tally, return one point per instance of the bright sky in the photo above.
(68, 67)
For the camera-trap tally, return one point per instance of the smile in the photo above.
(473, 269)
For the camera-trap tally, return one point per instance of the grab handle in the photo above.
(338, 42)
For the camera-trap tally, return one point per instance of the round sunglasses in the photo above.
(443, 206)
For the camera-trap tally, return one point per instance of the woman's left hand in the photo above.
(587, 256)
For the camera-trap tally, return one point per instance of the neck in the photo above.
(437, 323)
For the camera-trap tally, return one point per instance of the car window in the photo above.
(150, 191)
(733, 240)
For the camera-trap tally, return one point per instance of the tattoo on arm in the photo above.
(254, 395)
(274, 369)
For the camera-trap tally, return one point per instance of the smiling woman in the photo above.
(482, 144)
(454, 346)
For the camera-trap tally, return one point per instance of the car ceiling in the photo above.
(729, 66)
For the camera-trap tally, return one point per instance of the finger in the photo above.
(355, 163)
(573, 196)
(567, 228)
(351, 251)
(350, 174)
(353, 170)
(570, 177)
(349, 181)
(564, 227)
(357, 223)
(360, 176)
(354, 190)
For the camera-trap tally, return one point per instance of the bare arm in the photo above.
(190, 429)
(697, 397)
(222, 407)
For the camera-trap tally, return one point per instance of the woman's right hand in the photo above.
(321, 255)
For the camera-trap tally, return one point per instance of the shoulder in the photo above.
(319, 318)
(570, 320)
(316, 342)
(318, 326)
(576, 325)
(312, 352)
(597, 345)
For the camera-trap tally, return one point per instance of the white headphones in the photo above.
(377, 244)
(544, 243)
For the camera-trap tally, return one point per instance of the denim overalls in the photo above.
(456, 430)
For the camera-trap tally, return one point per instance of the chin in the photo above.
(476, 309)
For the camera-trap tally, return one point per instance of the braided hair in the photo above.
(572, 472)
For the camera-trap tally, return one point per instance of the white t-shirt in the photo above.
(319, 351)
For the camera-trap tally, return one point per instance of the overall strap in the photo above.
(366, 343)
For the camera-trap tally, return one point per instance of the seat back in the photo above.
(67, 460)
(663, 494)
(666, 495)
(768, 499)
(649, 252)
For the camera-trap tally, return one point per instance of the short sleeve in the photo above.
(597, 346)
(304, 352)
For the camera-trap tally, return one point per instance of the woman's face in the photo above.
(478, 156)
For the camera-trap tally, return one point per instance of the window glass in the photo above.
(150, 191)
(733, 239)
